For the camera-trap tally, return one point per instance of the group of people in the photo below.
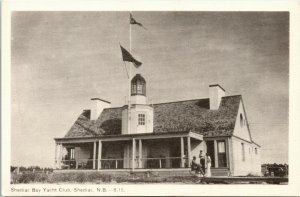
(202, 167)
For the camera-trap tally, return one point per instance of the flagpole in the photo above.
(129, 82)
(130, 37)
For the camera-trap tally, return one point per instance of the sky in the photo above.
(60, 60)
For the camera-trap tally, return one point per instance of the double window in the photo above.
(141, 119)
(139, 89)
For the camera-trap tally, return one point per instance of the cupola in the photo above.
(138, 90)
(140, 117)
(138, 85)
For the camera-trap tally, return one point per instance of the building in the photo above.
(163, 136)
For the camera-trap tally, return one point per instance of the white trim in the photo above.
(189, 150)
(182, 151)
(196, 136)
(99, 154)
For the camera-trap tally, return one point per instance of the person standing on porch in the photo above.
(202, 161)
(208, 165)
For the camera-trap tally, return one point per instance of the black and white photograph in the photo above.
(101, 100)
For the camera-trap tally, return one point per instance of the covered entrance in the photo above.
(218, 151)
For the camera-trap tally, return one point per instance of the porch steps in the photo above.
(219, 172)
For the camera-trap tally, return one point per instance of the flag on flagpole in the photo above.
(129, 58)
(134, 22)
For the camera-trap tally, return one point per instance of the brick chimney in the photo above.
(97, 106)
(216, 92)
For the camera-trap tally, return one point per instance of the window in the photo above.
(141, 119)
(222, 159)
(72, 154)
(241, 120)
(133, 89)
(256, 151)
(140, 89)
(243, 152)
(221, 147)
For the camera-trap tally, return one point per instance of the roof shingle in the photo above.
(191, 115)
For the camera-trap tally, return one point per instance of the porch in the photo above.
(137, 152)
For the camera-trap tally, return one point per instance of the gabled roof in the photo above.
(190, 115)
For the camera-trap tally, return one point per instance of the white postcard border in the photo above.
(157, 189)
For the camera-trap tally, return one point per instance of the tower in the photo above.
(141, 113)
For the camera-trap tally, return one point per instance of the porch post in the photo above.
(227, 155)
(182, 151)
(216, 153)
(59, 155)
(55, 156)
(94, 156)
(99, 154)
(189, 150)
(140, 153)
(133, 153)
(231, 156)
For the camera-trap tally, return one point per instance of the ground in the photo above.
(98, 177)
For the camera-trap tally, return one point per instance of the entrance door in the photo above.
(141, 128)
(222, 160)
(211, 152)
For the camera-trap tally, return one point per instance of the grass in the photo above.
(100, 177)
(95, 177)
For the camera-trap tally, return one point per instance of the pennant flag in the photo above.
(134, 22)
(128, 57)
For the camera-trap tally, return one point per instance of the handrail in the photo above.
(163, 158)
(106, 159)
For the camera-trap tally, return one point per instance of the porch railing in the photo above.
(118, 163)
(162, 162)
(78, 164)
(89, 164)
(112, 163)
